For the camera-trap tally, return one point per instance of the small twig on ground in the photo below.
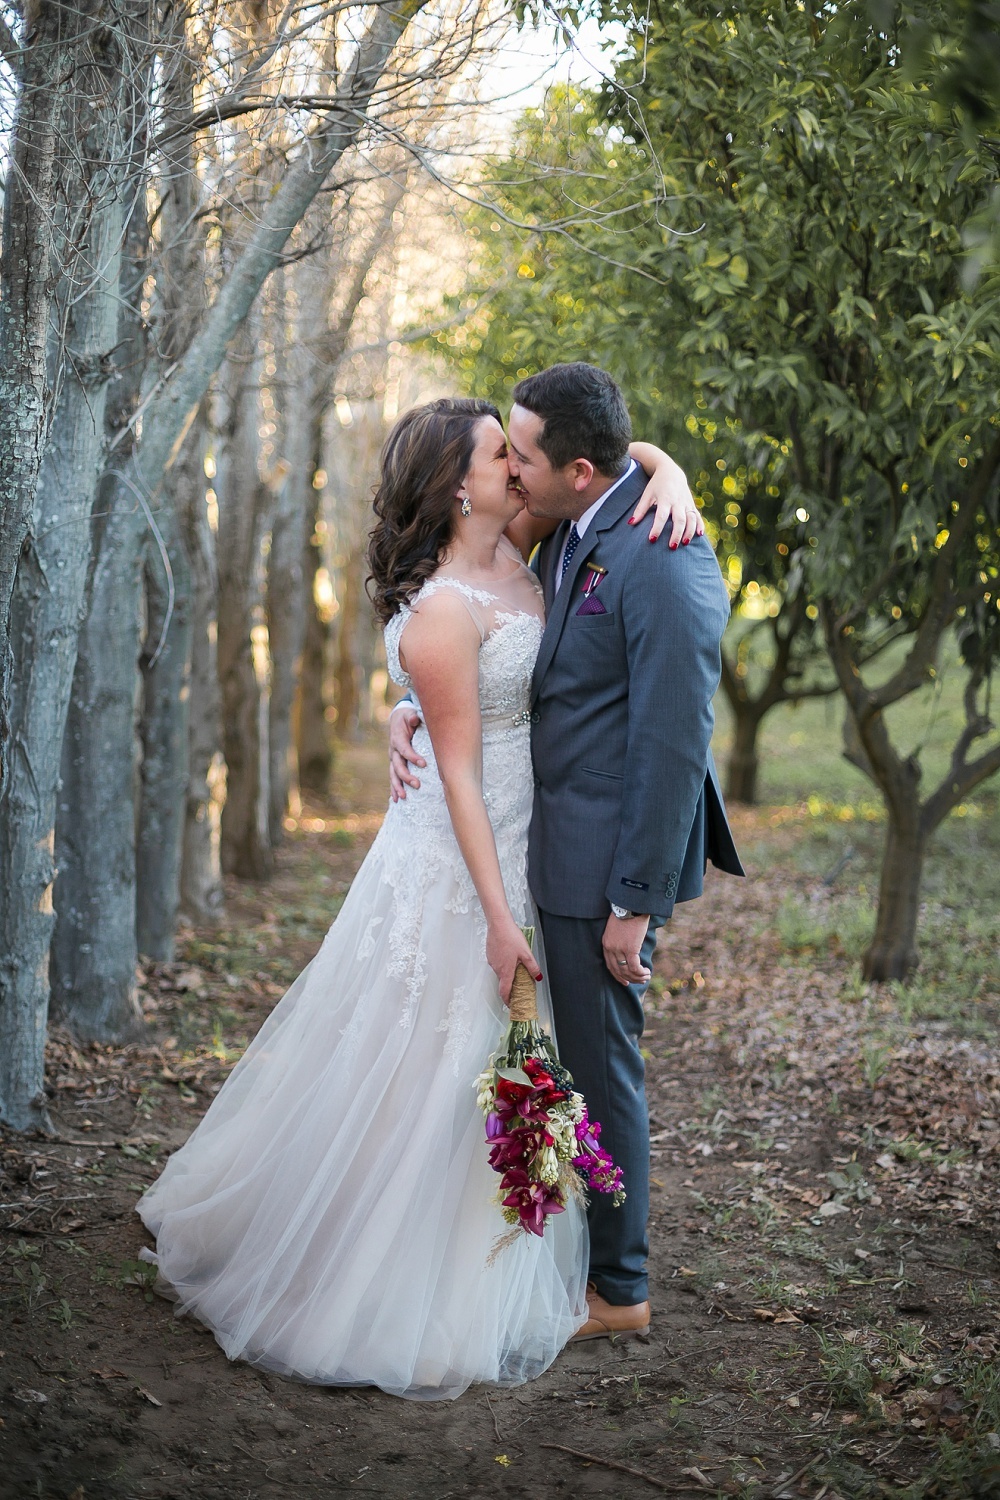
(65, 1140)
(610, 1463)
(493, 1414)
(786, 1484)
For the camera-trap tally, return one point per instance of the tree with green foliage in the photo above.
(955, 50)
(760, 225)
(564, 304)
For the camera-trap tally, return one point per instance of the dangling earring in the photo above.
(466, 506)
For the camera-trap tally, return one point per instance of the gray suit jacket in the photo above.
(627, 804)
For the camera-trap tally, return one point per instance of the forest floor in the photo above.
(825, 1259)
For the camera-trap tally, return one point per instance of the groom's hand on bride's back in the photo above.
(403, 724)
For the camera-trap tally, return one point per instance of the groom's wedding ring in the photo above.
(623, 960)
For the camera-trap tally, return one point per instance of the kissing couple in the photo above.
(333, 1216)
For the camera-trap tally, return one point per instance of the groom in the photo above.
(627, 808)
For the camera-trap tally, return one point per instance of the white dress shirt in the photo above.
(589, 514)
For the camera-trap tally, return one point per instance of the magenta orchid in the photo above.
(531, 1201)
(541, 1138)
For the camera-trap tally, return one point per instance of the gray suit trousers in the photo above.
(599, 1027)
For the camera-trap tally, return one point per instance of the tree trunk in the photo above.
(163, 728)
(44, 637)
(246, 845)
(166, 657)
(347, 671)
(742, 765)
(201, 890)
(312, 731)
(93, 948)
(50, 39)
(286, 628)
(892, 953)
(291, 565)
(50, 586)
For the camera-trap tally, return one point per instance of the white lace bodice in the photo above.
(416, 840)
(509, 621)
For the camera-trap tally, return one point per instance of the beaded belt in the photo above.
(514, 721)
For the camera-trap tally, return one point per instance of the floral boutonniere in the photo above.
(591, 604)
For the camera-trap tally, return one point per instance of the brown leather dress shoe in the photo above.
(608, 1321)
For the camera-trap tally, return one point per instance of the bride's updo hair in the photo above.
(425, 459)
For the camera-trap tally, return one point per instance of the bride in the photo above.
(332, 1216)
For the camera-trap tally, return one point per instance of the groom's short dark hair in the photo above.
(584, 413)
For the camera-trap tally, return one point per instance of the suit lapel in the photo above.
(557, 609)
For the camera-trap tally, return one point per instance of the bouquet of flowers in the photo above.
(540, 1137)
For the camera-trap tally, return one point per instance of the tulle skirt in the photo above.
(333, 1216)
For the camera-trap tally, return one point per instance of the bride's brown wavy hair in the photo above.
(424, 461)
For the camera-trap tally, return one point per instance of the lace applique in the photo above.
(367, 945)
(350, 1035)
(392, 633)
(478, 596)
(458, 1026)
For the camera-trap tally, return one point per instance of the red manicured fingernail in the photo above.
(686, 540)
(673, 546)
(631, 520)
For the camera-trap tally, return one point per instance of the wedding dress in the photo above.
(332, 1217)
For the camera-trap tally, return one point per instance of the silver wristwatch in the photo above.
(622, 912)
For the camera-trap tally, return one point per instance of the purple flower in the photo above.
(533, 1201)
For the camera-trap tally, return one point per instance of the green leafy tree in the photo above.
(776, 228)
(569, 293)
(955, 49)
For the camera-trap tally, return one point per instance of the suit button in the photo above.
(535, 717)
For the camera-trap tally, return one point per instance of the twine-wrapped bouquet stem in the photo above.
(523, 996)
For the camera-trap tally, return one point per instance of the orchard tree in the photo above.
(834, 317)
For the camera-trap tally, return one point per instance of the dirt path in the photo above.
(824, 1233)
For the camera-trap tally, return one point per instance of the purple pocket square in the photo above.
(592, 606)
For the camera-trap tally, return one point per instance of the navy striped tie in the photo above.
(572, 542)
